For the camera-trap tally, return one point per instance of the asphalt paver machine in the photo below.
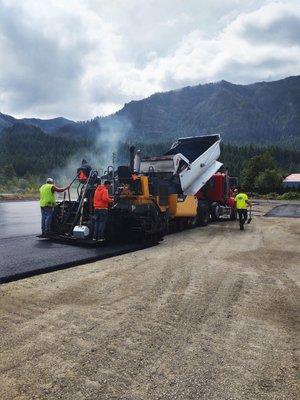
(160, 195)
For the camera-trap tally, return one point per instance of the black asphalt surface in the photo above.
(19, 218)
(26, 256)
(22, 254)
(285, 210)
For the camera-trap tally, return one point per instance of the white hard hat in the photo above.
(50, 180)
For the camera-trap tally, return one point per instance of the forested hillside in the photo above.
(265, 113)
(260, 113)
(28, 155)
(28, 150)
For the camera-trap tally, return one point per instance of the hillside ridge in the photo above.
(260, 113)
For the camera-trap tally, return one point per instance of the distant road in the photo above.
(19, 218)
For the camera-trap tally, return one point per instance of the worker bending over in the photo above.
(241, 203)
(101, 203)
(47, 204)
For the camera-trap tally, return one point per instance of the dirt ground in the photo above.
(210, 313)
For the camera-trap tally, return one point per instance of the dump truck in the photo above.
(154, 195)
(218, 195)
(191, 165)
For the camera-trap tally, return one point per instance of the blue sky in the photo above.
(84, 58)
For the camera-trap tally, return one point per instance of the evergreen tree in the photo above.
(254, 167)
(268, 181)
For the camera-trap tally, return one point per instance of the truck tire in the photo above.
(215, 212)
(203, 215)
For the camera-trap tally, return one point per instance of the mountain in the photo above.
(264, 112)
(259, 113)
(47, 125)
(28, 149)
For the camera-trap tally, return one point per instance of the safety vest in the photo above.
(240, 200)
(101, 197)
(47, 197)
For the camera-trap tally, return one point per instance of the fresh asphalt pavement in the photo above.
(285, 210)
(19, 218)
(23, 254)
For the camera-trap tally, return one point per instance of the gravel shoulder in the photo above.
(210, 313)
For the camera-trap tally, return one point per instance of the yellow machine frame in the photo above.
(177, 206)
(186, 207)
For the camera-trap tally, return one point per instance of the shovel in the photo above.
(250, 216)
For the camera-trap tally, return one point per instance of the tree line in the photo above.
(28, 155)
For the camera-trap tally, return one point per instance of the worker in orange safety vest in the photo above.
(101, 203)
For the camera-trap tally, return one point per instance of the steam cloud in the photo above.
(112, 133)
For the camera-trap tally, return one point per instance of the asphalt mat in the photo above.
(285, 210)
(25, 256)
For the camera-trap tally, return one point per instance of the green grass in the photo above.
(289, 196)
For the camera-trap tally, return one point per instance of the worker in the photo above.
(82, 176)
(47, 204)
(241, 203)
(83, 172)
(101, 203)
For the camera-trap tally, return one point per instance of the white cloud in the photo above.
(86, 58)
(233, 53)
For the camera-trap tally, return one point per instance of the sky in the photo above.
(85, 58)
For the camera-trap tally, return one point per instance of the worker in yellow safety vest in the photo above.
(241, 203)
(47, 204)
